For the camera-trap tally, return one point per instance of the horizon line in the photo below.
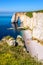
(20, 11)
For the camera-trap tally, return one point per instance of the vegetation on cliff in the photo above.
(30, 13)
(15, 55)
(40, 11)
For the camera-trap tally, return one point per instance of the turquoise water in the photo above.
(5, 23)
(4, 20)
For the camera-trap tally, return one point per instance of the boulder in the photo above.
(19, 40)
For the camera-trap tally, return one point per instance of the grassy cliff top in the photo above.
(41, 11)
(30, 13)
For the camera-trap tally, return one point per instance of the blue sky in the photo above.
(20, 5)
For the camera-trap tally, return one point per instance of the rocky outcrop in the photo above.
(11, 41)
(20, 40)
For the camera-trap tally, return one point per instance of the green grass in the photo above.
(11, 55)
(41, 11)
(30, 13)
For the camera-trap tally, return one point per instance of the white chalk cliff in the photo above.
(35, 24)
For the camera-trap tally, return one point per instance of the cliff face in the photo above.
(35, 23)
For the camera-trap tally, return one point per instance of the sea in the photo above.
(5, 23)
